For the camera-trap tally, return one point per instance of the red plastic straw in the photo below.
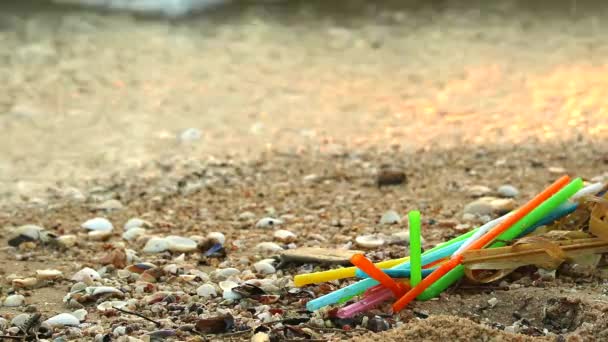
(480, 243)
(374, 272)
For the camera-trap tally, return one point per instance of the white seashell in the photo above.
(49, 274)
(219, 237)
(68, 240)
(97, 235)
(101, 290)
(80, 314)
(156, 245)
(133, 233)
(206, 291)
(86, 275)
(61, 320)
(24, 283)
(268, 247)
(268, 222)
(78, 287)
(181, 244)
(224, 273)
(98, 224)
(171, 268)
(20, 319)
(14, 300)
(507, 191)
(230, 295)
(369, 241)
(285, 236)
(400, 237)
(390, 217)
(204, 276)
(227, 285)
(264, 268)
(30, 230)
(109, 305)
(135, 223)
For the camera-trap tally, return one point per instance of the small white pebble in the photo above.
(98, 224)
(206, 291)
(264, 268)
(268, 222)
(369, 241)
(268, 247)
(493, 301)
(508, 191)
(285, 236)
(390, 217)
(14, 300)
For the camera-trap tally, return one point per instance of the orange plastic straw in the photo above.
(480, 243)
(374, 272)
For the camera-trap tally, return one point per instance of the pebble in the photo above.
(109, 305)
(86, 275)
(190, 135)
(260, 337)
(369, 241)
(477, 190)
(14, 300)
(99, 235)
(264, 268)
(61, 320)
(390, 217)
(30, 230)
(217, 236)
(181, 244)
(401, 237)
(49, 274)
(285, 236)
(206, 291)
(67, 241)
(556, 169)
(156, 245)
(268, 247)
(390, 176)
(225, 273)
(133, 233)
(19, 320)
(489, 206)
(508, 191)
(246, 215)
(135, 223)
(24, 283)
(98, 224)
(81, 314)
(268, 222)
(493, 301)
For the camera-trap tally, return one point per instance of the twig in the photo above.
(157, 323)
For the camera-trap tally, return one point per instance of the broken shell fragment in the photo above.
(86, 275)
(81, 314)
(133, 233)
(268, 247)
(181, 244)
(390, 217)
(109, 305)
(24, 283)
(136, 223)
(61, 320)
(285, 236)
(264, 268)
(370, 241)
(156, 245)
(48, 274)
(206, 291)
(140, 267)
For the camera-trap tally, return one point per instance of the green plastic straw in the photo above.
(534, 216)
(415, 254)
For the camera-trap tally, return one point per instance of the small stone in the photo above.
(400, 237)
(156, 245)
(190, 135)
(206, 291)
(285, 236)
(493, 301)
(61, 320)
(109, 205)
(136, 223)
(67, 241)
(217, 236)
(508, 191)
(98, 224)
(268, 247)
(260, 337)
(80, 314)
(14, 300)
(390, 217)
(247, 215)
(477, 190)
(388, 177)
(133, 233)
(556, 169)
(264, 268)
(225, 273)
(181, 244)
(268, 222)
(489, 206)
(370, 241)
(99, 235)
(19, 320)
(24, 283)
(49, 274)
(86, 275)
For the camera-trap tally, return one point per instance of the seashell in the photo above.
(136, 223)
(156, 245)
(133, 233)
(507, 191)
(227, 285)
(80, 314)
(285, 236)
(268, 222)
(181, 244)
(26, 233)
(206, 291)
(219, 237)
(19, 320)
(260, 337)
(401, 237)
(230, 295)
(268, 247)
(111, 304)
(224, 273)
(78, 287)
(3, 324)
(390, 217)
(62, 320)
(97, 235)
(24, 283)
(103, 290)
(171, 268)
(68, 240)
(123, 274)
(48, 274)
(369, 241)
(99, 224)
(200, 274)
(86, 275)
(264, 268)
(180, 258)
(14, 300)
(140, 267)
(131, 255)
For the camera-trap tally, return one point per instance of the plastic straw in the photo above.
(368, 267)
(482, 230)
(415, 254)
(515, 224)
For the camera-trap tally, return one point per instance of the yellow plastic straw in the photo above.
(340, 273)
